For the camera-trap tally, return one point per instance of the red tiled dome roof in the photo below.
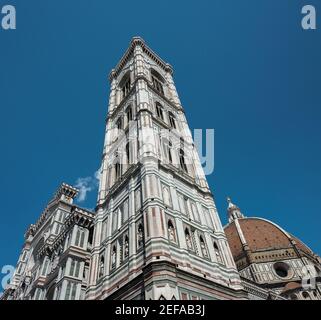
(260, 234)
(291, 286)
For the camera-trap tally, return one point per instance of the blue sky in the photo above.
(244, 68)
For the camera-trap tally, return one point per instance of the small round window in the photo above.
(282, 270)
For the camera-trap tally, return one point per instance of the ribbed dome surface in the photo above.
(260, 234)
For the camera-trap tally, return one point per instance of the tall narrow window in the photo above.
(129, 114)
(172, 121)
(182, 160)
(126, 247)
(169, 151)
(186, 206)
(117, 170)
(125, 88)
(127, 153)
(159, 111)
(217, 252)
(77, 269)
(72, 267)
(157, 82)
(82, 239)
(24, 255)
(203, 247)
(73, 292)
(101, 266)
(68, 290)
(119, 124)
(45, 266)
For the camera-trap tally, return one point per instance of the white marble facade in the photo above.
(155, 233)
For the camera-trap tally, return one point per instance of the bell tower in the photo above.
(157, 231)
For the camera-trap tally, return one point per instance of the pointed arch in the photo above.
(203, 247)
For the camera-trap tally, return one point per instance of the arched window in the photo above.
(125, 85)
(157, 81)
(203, 247)
(117, 170)
(159, 111)
(127, 153)
(171, 231)
(306, 295)
(172, 120)
(293, 296)
(129, 114)
(182, 160)
(119, 123)
(217, 252)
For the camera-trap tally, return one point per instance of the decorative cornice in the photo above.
(138, 41)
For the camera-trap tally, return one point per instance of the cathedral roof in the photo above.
(253, 236)
(258, 235)
(291, 286)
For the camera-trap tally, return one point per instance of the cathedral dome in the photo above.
(261, 235)
(267, 255)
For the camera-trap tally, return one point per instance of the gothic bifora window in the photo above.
(217, 252)
(203, 247)
(157, 84)
(125, 88)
